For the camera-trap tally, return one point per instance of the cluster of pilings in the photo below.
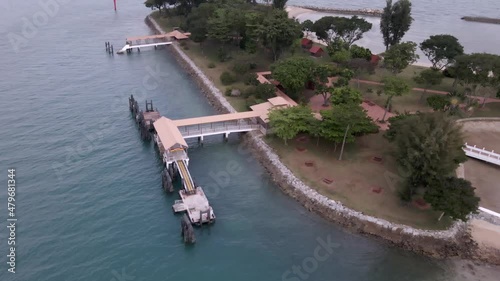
(144, 120)
(187, 230)
(109, 48)
(169, 175)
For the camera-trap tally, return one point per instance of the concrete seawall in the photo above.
(353, 12)
(453, 242)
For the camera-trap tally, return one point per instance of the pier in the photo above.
(155, 41)
(170, 138)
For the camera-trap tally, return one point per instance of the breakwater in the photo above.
(453, 242)
(482, 19)
(354, 12)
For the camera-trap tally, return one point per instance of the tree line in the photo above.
(242, 23)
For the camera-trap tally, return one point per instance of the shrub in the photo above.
(265, 91)
(438, 102)
(227, 78)
(183, 43)
(250, 79)
(248, 92)
(358, 52)
(186, 47)
(211, 65)
(449, 72)
(369, 90)
(252, 65)
(251, 100)
(228, 91)
(240, 68)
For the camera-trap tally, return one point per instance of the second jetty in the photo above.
(482, 19)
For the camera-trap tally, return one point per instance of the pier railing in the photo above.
(482, 154)
(206, 131)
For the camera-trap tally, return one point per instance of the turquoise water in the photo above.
(89, 203)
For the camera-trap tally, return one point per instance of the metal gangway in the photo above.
(187, 181)
(482, 154)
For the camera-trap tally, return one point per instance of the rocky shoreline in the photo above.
(453, 242)
(356, 12)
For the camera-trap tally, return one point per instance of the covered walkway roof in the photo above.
(169, 134)
(215, 118)
(173, 34)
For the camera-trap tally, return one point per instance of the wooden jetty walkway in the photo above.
(139, 42)
(170, 138)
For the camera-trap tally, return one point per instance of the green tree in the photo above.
(441, 50)
(307, 26)
(345, 95)
(478, 70)
(358, 52)
(286, 123)
(278, 32)
(428, 78)
(293, 74)
(453, 196)
(279, 4)
(394, 87)
(158, 4)
(400, 56)
(342, 57)
(439, 102)
(219, 26)
(349, 30)
(344, 117)
(394, 125)
(428, 147)
(396, 21)
(197, 20)
(265, 91)
(360, 66)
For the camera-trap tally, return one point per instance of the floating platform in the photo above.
(196, 207)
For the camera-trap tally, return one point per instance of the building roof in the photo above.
(215, 118)
(272, 103)
(168, 133)
(277, 101)
(305, 41)
(315, 49)
(178, 35)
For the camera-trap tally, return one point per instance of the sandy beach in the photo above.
(294, 12)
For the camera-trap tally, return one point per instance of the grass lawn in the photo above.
(355, 178)
(410, 102)
(408, 75)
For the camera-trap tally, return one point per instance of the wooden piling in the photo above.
(187, 230)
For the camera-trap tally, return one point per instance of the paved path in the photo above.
(480, 99)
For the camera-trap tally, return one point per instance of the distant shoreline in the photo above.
(354, 12)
